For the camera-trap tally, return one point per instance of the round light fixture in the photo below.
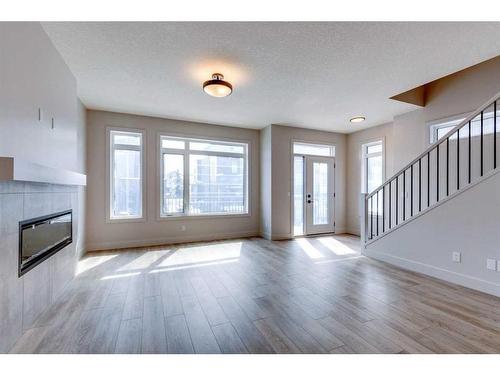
(358, 119)
(217, 86)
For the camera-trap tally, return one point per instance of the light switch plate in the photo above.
(491, 264)
(457, 257)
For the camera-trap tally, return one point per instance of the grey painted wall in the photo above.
(265, 182)
(277, 207)
(467, 223)
(32, 76)
(408, 135)
(102, 234)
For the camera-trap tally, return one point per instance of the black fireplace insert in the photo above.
(42, 237)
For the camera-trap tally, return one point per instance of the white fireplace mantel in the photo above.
(15, 169)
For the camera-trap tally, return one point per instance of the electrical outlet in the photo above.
(183, 228)
(491, 264)
(457, 257)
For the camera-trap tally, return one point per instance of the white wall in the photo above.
(33, 75)
(467, 223)
(282, 138)
(104, 235)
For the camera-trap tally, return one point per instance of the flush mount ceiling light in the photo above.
(358, 119)
(217, 86)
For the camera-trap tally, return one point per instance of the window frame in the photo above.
(435, 125)
(109, 170)
(310, 143)
(364, 161)
(186, 152)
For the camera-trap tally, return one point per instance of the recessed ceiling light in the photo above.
(217, 86)
(358, 119)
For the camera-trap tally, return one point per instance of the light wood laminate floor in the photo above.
(309, 295)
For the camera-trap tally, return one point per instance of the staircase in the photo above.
(462, 158)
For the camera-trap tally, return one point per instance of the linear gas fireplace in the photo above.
(42, 237)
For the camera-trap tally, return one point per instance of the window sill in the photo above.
(126, 220)
(196, 217)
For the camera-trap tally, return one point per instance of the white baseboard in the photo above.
(437, 272)
(96, 246)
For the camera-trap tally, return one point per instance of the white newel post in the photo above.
(363, 219)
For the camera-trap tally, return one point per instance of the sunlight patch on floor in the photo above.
(309, 249)
(202, 254)
(338, 260)
(88, 263)
(197, 265)
(145, 260)
(336, 246)
(121, 275)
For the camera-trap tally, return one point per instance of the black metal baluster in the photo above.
(458, 159)
(437, 173)
(390, 199)
(428, 179)
(404, 195)
(447, 166)
(495, 135)
(377, 212)
(371, 216)
(469, 151)
(397, 199)
(481, 143)
(383, 209)
(419, 184)
(411, 190)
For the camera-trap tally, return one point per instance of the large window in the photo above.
(126, 150)
(202, 177)
(372, 166)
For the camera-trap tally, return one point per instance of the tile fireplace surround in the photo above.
(23, 299)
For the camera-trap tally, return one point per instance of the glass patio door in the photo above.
(319, 195)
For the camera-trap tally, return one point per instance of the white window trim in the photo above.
(299, 142)
(184, 216)
(109, 181)
(364, 158)
(442, 123)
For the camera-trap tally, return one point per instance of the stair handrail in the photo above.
(435, 144)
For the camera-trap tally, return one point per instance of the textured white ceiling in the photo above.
(312, 75)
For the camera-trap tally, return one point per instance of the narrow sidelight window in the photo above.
(372, 166)
(126, 187)
(373, 172)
